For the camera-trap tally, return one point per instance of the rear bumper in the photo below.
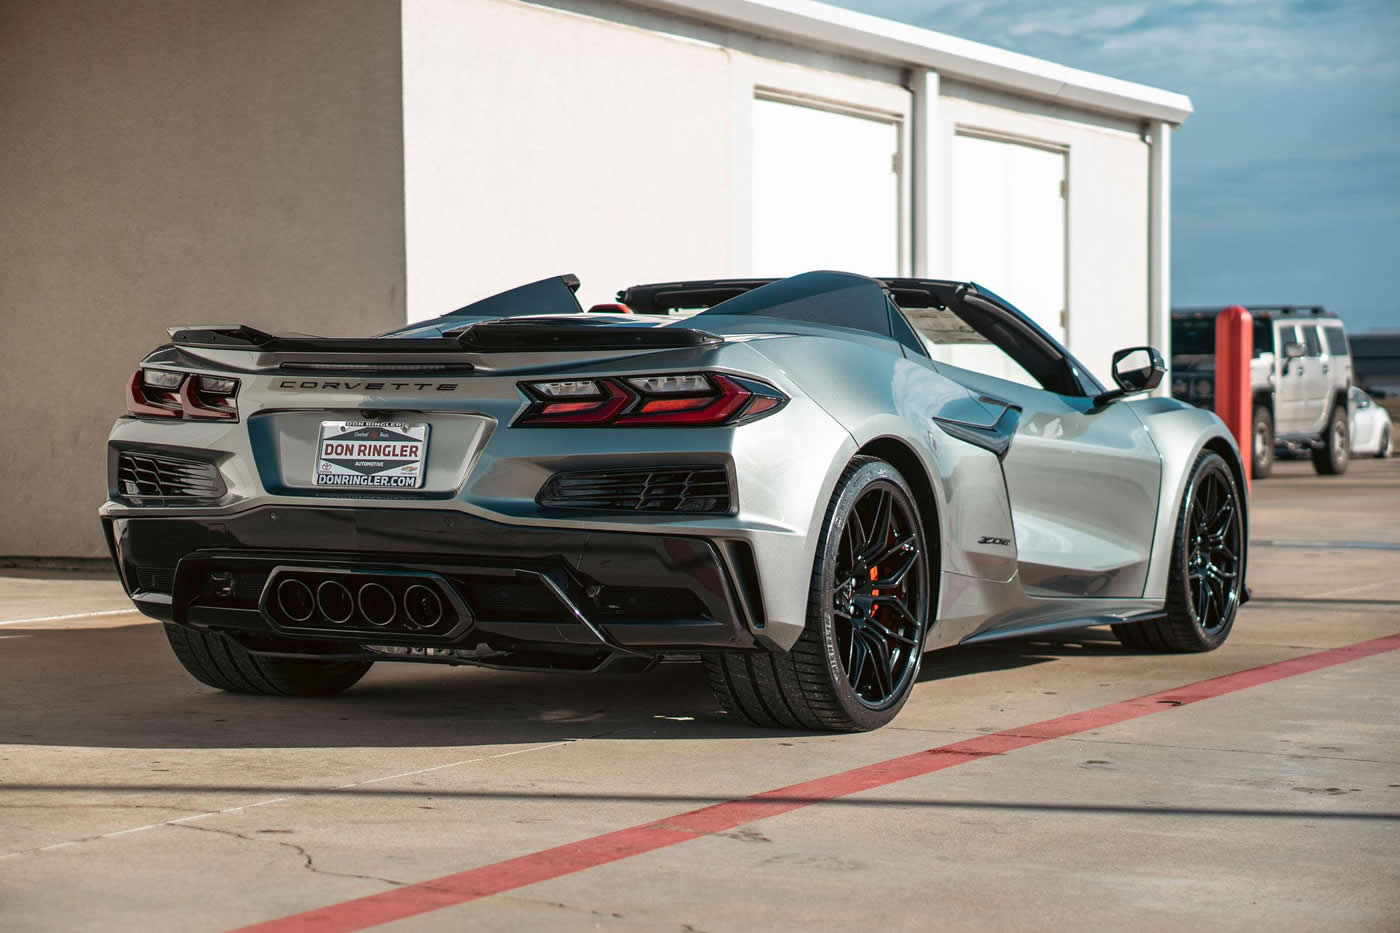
(514, 587)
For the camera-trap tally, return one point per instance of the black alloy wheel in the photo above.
(868, 608)
(878, 594)
(1207, 569)
(1215, 539)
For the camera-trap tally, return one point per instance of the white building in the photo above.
(338, 167)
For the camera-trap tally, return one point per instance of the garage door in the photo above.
(825, 191)
(1008, 224)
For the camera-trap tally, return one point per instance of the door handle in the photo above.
(1325, 368)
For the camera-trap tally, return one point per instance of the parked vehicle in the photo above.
(1300, 375)
(786, 483)
(1370, 426)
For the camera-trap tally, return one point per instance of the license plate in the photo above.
(379, 454)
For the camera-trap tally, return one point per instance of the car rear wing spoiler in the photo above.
(664, 297)
(511, 336)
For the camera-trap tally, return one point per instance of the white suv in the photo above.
(1301, 374)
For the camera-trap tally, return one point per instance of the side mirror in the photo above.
(1135, 369)
(1293, 350)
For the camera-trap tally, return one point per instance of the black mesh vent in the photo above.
(147, 476)
(522, 599)
(687, 489)
(155, 580)
(647, 603)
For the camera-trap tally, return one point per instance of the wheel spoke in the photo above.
(1207, 600)
(856, 529)
(891, 633)
(897, 604)
(882, 664)
(893, 549)
(879, 526)
(896, 578)
(859, 653)
(1221, 520)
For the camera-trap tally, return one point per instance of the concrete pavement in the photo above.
(133, 797)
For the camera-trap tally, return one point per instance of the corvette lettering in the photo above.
(368, 386)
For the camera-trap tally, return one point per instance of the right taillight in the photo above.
(170, 393)
(666, 399)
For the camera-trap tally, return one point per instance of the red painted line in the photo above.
(475, 883)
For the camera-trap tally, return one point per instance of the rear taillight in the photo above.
(692, 399)
(169, 393)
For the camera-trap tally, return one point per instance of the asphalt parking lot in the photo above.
(1025, 786)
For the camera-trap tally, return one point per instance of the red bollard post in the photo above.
(1234, 395)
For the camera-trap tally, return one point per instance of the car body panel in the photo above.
(1050, 509)
(1370, 423)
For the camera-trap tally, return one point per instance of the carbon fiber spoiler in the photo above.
(517, 336)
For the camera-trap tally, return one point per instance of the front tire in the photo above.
(1208, 561)
(1263, 453)
(217, 660)
(1384, 450)
(856, 661)
(1332, 457)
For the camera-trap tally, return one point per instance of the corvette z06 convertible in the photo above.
(805, 483)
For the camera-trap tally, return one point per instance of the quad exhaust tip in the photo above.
(377, 604)
(335, 602)
(422, 606)
(366, 601)
(295, 600)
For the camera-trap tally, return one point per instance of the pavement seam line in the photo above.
(71, 615)
(547, 864)
(309, 792)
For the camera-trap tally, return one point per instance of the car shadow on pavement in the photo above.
(120, 687)
(1012, 653)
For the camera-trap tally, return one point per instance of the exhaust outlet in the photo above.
(377, 604)
(335, 602)
(422, 606)
(295, 600)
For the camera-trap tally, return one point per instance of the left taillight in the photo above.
(681, 399)
(170, 393)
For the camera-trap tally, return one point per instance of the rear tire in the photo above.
(1332, 457)
(1207, 569)
(1263, 453)
(219, 661)
(858, 657)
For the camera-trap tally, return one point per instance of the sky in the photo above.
(1286, 179)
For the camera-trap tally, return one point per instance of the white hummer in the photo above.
(1301, 374)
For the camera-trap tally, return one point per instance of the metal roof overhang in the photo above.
(869, 37)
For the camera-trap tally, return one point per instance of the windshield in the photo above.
(1193, 337)
(1196, 336)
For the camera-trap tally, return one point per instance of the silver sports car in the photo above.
(806, 483)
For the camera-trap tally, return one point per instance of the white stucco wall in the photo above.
(539, 142)
(1107, 243)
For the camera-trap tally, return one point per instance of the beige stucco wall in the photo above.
(177, 161)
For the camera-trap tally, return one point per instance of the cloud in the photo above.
(1287, 177)
(1260, 40)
